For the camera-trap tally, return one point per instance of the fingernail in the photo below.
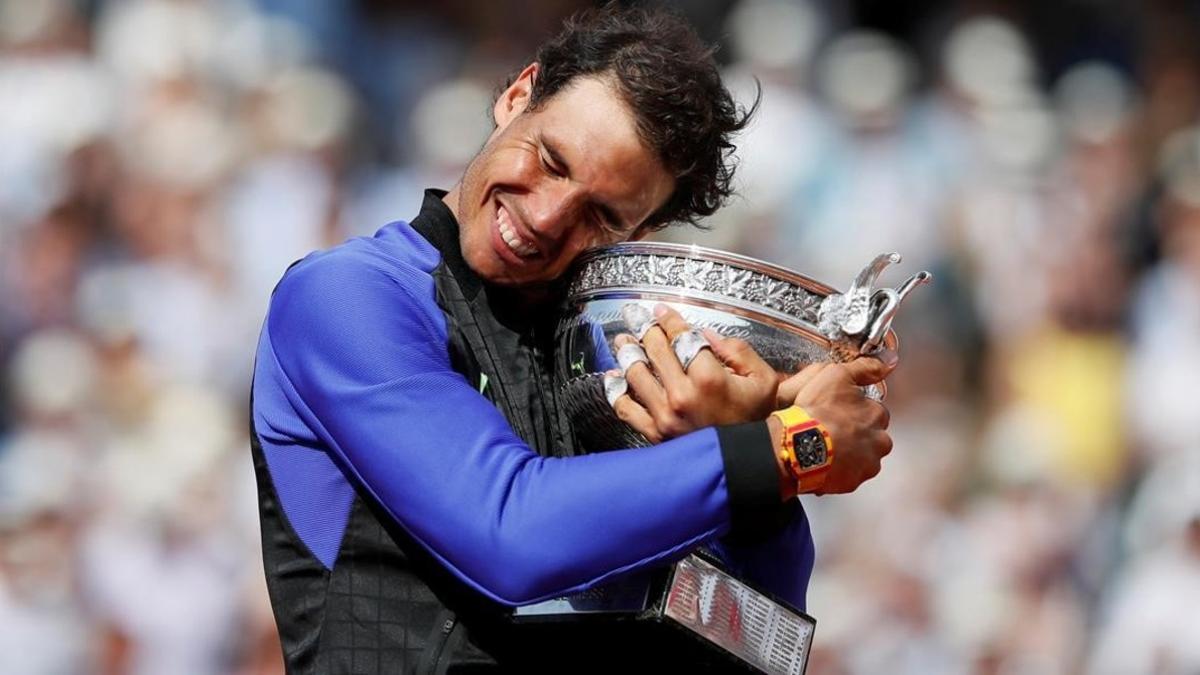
(661, 309)
(629, 354)
(889, 357)
(623, 339)
(615, 386)
(711, 335)
(637, 319)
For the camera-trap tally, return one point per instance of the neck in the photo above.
(451, 201)
(532, 297)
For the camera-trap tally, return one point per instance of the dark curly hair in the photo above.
(668, 77)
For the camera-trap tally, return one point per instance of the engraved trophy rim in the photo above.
(802, 320)
(698, 252)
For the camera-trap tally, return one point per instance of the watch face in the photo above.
(810, 448)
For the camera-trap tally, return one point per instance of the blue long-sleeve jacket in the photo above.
(357, 396)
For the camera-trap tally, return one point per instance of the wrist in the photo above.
(788, 487)
(751, 478)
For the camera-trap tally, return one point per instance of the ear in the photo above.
(515, 99)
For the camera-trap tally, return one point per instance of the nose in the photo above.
(553, 209)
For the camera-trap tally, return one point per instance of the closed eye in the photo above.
(554, 164)
(551, 164)
(608, 220)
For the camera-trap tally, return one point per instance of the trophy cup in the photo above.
(791, 321)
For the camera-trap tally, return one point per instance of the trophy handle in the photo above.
(863, 314)
(850, 312)
(885, 302)
(870, 274)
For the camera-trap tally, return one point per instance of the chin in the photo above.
(490, 267)
(499, 274)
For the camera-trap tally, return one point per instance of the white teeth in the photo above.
(510, 237)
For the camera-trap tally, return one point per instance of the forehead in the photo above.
(592, 126)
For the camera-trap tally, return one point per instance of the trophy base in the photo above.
(703, 608)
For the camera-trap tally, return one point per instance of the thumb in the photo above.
(738, 355)
(790, 387)
(866, 370)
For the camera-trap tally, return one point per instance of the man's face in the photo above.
(551, 183)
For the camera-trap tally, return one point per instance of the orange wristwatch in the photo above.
(807, 448)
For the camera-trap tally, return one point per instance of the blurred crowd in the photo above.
(163, 161)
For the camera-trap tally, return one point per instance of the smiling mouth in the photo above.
(508, 233)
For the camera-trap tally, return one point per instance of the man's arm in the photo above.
(362, 360)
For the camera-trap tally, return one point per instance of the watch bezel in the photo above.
(811, 450)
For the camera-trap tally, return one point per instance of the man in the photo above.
(416, 477)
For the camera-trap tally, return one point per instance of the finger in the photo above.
(663, 359)
(671, 321)
(643, 385)
(629, 352)
(615, 386)
(738, 355)
(695, 354)
(790, 387)
(632, 413)
(890, 357)
(707, 375)
(638, 319)
(866, 370)
(883, 442)
(883, 416)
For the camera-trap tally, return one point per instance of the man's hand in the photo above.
(725, 385)
(833, 394)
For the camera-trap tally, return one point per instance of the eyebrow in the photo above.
(605, 210)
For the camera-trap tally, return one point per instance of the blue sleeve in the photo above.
(605, 361)
(361, 347)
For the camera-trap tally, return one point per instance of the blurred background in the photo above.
(162, 162)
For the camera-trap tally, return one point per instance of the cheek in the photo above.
(511, 167)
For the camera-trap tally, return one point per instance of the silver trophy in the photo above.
(791, 321)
